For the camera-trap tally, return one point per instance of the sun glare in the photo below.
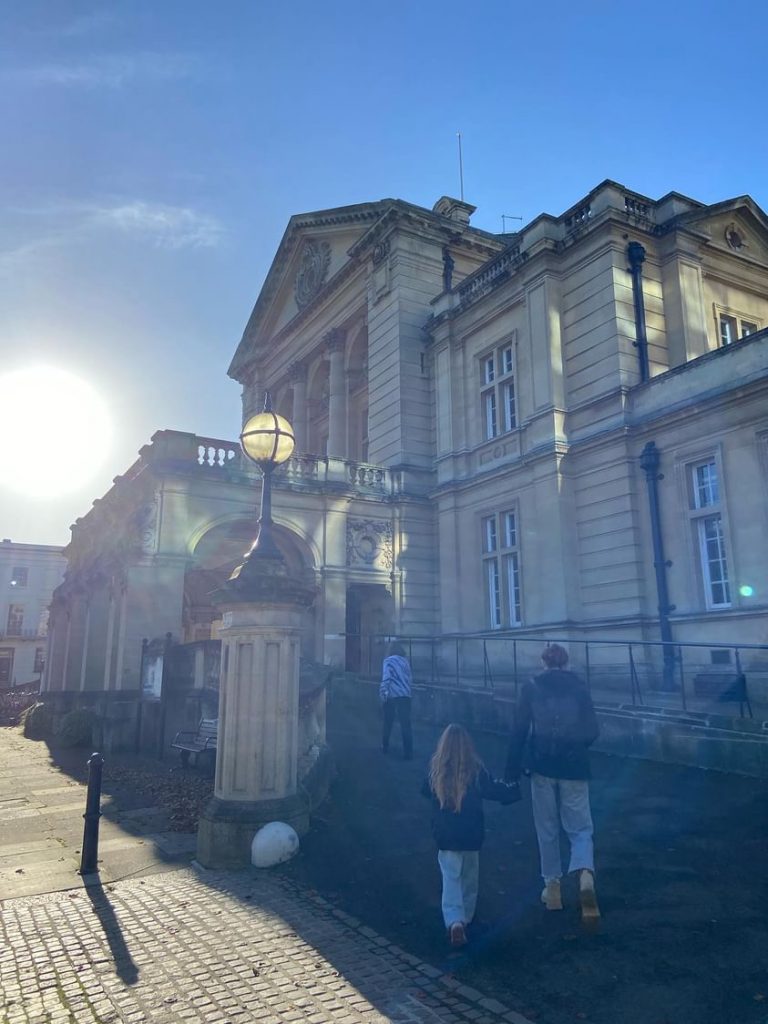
(55, 431)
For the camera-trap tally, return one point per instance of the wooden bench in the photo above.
(201, 742)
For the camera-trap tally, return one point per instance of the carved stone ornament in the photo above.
(146, 520)
(369, 543)
(313, 270)
(380, 252)
(735, 237)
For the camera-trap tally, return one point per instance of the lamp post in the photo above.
(266, 439)
(263, 617)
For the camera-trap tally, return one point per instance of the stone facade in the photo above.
(470, 410)
(28, 575)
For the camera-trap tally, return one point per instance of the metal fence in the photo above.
(684, 676)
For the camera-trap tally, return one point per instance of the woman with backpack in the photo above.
(554, 726)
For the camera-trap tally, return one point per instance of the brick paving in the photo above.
(199, 947)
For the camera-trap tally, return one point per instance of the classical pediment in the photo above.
(313, 255)
(737, 226)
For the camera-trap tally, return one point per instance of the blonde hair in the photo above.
(454, 767)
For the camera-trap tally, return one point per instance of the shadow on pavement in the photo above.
(125, 968)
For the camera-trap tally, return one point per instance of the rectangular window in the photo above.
(19, 576)
(512, 567)
(489, 534)
(491, 424)
(6, 666)
(727, 330)
(494, 592)
(501, 566)
(706, 491)
(707, 524)
(37, 668)
(732, 326)
(713, 561)
(15, 620)
(498, 401)
(510, 419)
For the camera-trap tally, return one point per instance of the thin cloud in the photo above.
(166, 227)
(156, 224)
(113, 71)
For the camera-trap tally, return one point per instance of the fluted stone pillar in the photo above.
(337, 394)
(253, 392)
(257, 755)
(298, 376)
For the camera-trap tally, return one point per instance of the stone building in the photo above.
(29, 574)
(470, 412)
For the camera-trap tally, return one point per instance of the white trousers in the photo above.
(574, 815)
(461, 877)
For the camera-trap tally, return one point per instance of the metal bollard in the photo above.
(90, 853)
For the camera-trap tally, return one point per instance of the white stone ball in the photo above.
(273, 844)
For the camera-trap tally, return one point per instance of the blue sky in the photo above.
(152, 154)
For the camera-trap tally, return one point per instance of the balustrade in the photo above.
(299, 470)
(635, 207)
(367, 476)
(211, 452)
(579, 218)
(480, 283)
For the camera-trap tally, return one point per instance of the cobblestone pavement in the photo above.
(196, 946)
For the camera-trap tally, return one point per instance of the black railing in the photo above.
(706, 676)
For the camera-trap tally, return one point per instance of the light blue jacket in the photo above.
(396, 678)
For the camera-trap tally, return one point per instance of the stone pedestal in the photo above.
(256, 760)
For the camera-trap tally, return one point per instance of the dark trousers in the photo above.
(400, 706)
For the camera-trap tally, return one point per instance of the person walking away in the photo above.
(457, 784)
(555, 724)
(395, 694)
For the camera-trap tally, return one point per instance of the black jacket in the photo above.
(559, 698)
(465, 829)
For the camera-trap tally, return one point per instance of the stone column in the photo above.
(337, 396)
(107, 681)
(117, 681)
(298, 376)
(256, 761)
(86, 641)
(253, 392)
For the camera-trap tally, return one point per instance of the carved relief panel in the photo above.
(369, 544)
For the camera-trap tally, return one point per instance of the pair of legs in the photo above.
(574, 814)
(400, 707)
(461, 878)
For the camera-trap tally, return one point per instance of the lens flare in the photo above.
(746, 590)
(55, 431)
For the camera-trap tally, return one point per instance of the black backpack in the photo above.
(557, 719)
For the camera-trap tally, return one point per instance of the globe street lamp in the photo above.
(266, 439)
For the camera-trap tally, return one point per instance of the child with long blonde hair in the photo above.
(457, 784)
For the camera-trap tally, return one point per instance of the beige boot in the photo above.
(551, 896)
(589, 908)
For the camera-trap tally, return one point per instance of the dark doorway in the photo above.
(369, 620)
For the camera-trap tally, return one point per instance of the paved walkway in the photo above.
(202, 948)
(41, 825)
(188, 946)
(350, 930)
